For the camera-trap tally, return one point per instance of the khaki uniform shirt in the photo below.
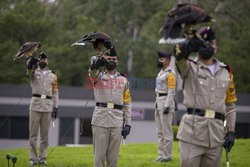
(111, 89)
(44, 82)
(202, 90)
(165, 83)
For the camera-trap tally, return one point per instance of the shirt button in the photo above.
(212, 89)
(212, 78)
(211, 101)
(110, 112)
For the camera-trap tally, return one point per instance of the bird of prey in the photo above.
(27, 49)
(100, 41)
(183, 16)
(92, 37)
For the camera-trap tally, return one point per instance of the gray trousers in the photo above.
(106, 142)
(197, 156)
(38, 120)
(164, 133)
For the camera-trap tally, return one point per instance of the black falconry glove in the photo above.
(54, 113)
(31, 63)
(229, 141)
(125, 131)
(97, 62)
(166, 111)
(183, 50)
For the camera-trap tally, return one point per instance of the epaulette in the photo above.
(169, 70)
(124, 75)
(193, 61)
(229, 69)
(223, 65)
(53, 71)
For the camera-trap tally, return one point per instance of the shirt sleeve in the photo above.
(230, 105)
(127, 104)
(171, 85)
(55, 92)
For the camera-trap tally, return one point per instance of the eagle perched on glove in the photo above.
(27, 49)
(183, 16)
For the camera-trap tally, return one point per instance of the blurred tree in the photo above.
(132, 24)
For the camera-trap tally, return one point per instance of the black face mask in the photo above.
(42, 64)
(111, 65)
(159, 64)
(206, 52)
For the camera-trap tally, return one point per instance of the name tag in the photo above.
(209, 113)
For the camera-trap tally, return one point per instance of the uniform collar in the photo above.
(115, 74)
(166, 69)
(217, 63)
(45, 69)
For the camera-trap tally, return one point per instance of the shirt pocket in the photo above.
(221, 88)
(201, 86)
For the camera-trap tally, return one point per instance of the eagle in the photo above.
(27, 49)
(183, 16)
(92, 37)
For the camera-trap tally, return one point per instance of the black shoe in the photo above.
(158, 159)
(32, 163)
(44, 163)
(165, 159)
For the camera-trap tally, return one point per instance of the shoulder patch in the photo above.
(171, 81)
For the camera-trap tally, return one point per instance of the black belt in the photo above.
(206, 113)
(109, 105)
(162, 94)
(43, 96)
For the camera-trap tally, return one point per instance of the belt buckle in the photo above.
(43, 96)
(110, 105)
(209, 113)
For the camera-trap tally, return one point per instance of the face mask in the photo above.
(206, 53)
(159, 64)
(111, 65)
(42, 64)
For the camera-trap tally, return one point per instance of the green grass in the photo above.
(134, 155)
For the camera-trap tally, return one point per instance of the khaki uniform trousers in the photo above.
(164, 132)
(192, 155)
(38, 120)
(106, 142)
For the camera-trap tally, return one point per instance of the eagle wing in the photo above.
(27, 47)
(181, 16)
(91, 37)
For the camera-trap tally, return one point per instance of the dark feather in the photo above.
(182, 15)
(91, 37)
(27, 47)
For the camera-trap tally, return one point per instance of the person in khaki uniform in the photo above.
(112, 115)
(43, 106)
(164, 106)
(209, 95)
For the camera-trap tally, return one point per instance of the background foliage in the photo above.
(133, 25)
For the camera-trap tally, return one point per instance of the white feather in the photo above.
(79, 43)
(172, 41)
